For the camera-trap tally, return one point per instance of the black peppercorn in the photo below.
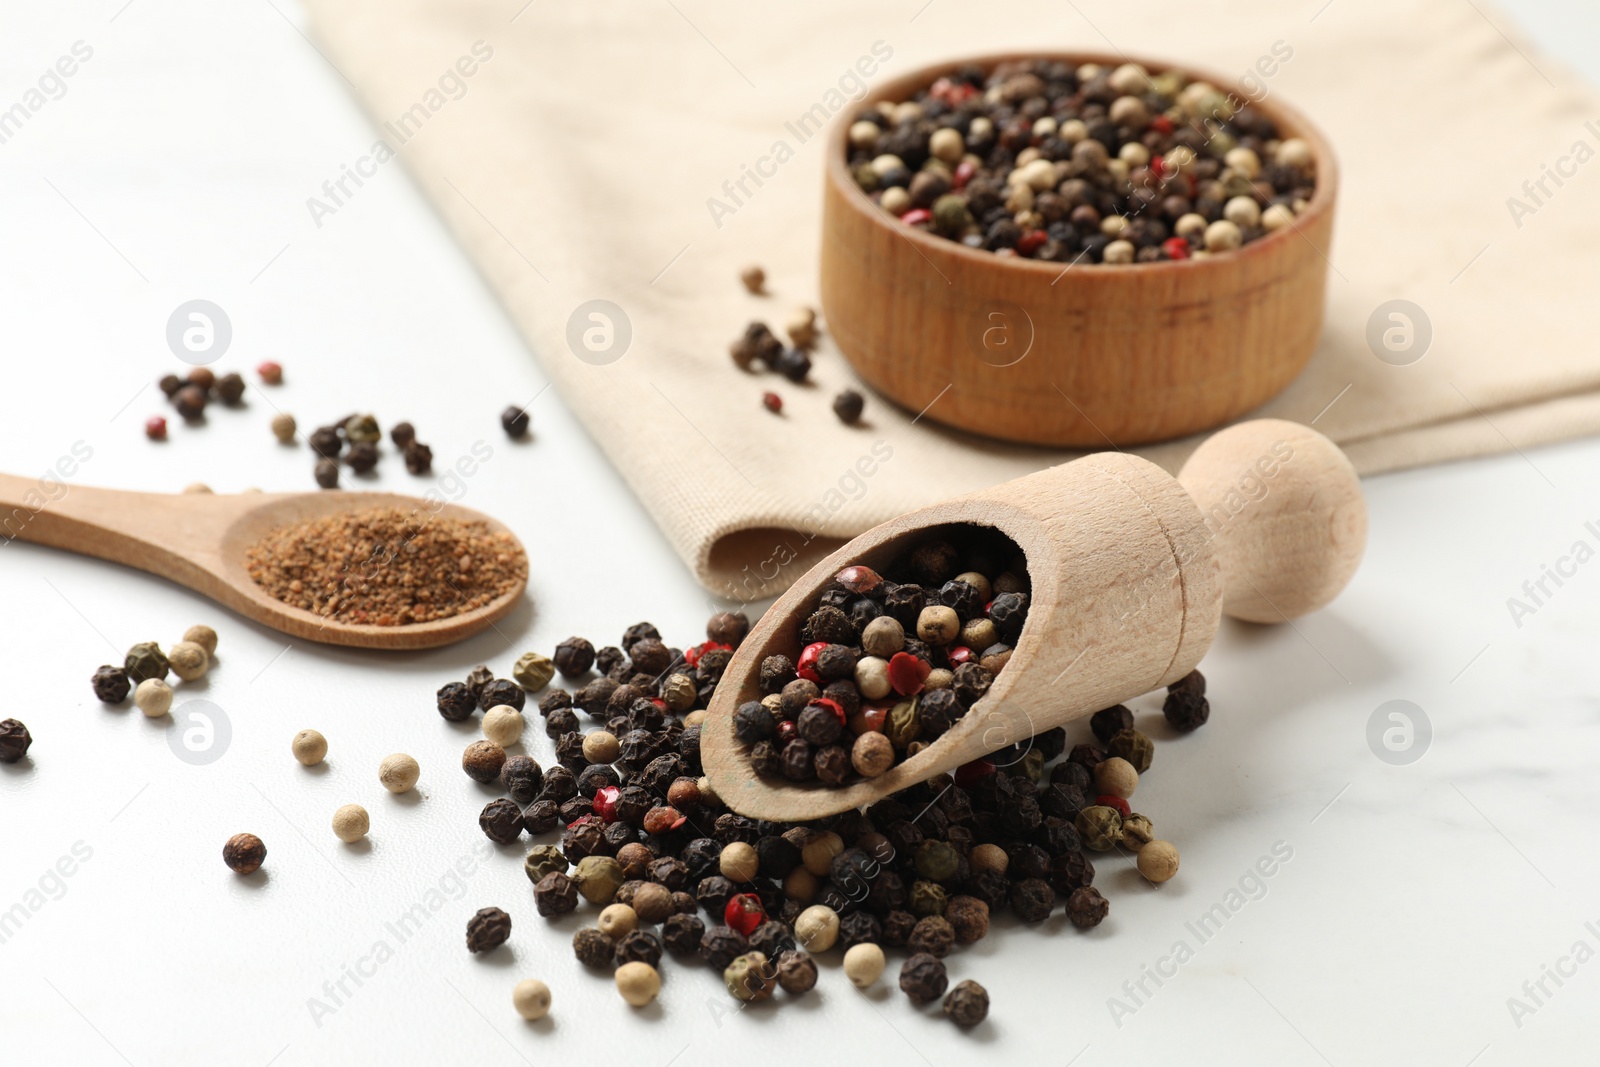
(681, 933)
(859, 928)
(559, 722)
(922, 978)
(638, 946)
(728, 628)
(1186, 709)
(776, 672)
(752, 722)
(541, 817)
(326, 442)
(819, 725)
(503, 691)
(455, 701)
(1110, 721)
(326, 473)
(190, 402)
(797, 972)
(170, 384)
(967, 1004)
(402, 434)
(514, 421)
(1069, 871)
(971, 682)
(848, 406)
(482, 761)
(771, 938)
(521, 776)
(111, 684)
(721, 945)
(230, 388)
(556, 894)
(574, 657)
(1032, 899)
(934, 935)
(593, 948)
(418, 457)
(489, 928)
(1086, 907)
(243, 853)
(797, 761)
(501, 821)
(650, 656)
(362, 457)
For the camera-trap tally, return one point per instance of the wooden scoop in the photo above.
(1131, 571)
(199, 540)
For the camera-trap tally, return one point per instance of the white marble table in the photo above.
(1333, 907)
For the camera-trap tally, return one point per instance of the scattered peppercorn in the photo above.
(230, 388)
(362, 457)
(243, 853)
(922, 978)
(155, 428)
(482, 761)
(574, 657)
(1086, 907)
(555, 894)
(594, 948)
(398, 773)
(848, 406)
(190, 402)
(145, 660)
(772, 402)
(753, 278)
(487, 930)
(418, 457)
(351, 823)
(326, 473)
(638, 982)
(967, 1004)
(153, 697)
(1186, 707)
(271, 373)
(111, 684)
(531, 998)
(514, 421)
(14, 740)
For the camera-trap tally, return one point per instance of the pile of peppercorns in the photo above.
(631, 826)
(759, 347)
(145, 668)
(191, 394)
(888, 664)
(1091, 164)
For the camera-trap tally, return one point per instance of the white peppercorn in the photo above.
(1116, 776)
(153, 697)
(1294, 152)
(1223, 236)
(283, 427)
(883, 637)
(309, 747)
(531, 998)
(863, 964)
(1158, 861)
(872, 677)
(350, 823)
(817, 928)
(638, 982)
(503, 725)
(616, 920)
(600, 747)
(188, 660)
(739, 862)
(398, 772)
(1276, 217)
(1243, 212)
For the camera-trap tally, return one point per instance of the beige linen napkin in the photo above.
(595, 151)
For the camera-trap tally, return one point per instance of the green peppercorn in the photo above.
(1132, 746)
(748, 977)
(928, 898)
(950, 214)
(1100, 827)
(145, 660)
(542, 860)
(533, 671)
(936, 861)
(362, 428)
(598, 878)
(1137, 832)
(903, 724)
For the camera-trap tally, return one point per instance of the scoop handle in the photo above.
(1285, 513)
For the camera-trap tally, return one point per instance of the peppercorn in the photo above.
(728, 628)
(230, 388)
(398, 772)
(155, 428)
(922, 978)
(638, 946)
(639, 983)
(455, 701)
(1032, 899)
(153, 697)
(362, 457)
(402, 434)
(531, 999)
(502, 691)
(482, 761)
(863, 964)
(1100, 827)
(936, 861)
(501, 821)
(326, 442)
(487, 930)
(1116, 776)
(1086, 907)
(503, 725)
(541, 817)
(542, 860)
(533, 672)
(968, 918)
(514, 420)
(243, 853)
(418, 457)
(1186, 709)
(190, 402)
(749, 977)
(326, 474)
(555, 894)
(351, 823)
(574, 657)
(934, 935)
(653, 903)
(967, 1004)
(1134, 747)
(170, 384)
(1158, 860)
(145, 660)
(111, 684)
(594, 948)
(1110, 721)
(15, 741)
(772, 402)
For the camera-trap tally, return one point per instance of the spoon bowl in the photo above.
(199, 541)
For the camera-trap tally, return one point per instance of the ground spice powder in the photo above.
(387, 566)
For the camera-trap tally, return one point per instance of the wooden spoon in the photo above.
(1131, 571)
(199, 540)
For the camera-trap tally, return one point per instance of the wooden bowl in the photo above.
(1047, 354)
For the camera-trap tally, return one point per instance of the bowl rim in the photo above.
(1284, 114)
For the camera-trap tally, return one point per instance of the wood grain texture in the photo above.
(1285, 511)
(1114, 355)
(198, 540)
(1128, 587)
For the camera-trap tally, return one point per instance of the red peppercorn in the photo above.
(1031, 241)
(859, 579)
(787, 731)
(1161, 124)
(1175, 248)
(271, 372)
(965, 172)
(907, 673)
(605, 802)
(970, 774)
(917, 216)
(1158, 167)
(959, 655)
(772, 402)
(807, 667)
(744, 913)
(155, 428)
(872, 717)
(1110, 801)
